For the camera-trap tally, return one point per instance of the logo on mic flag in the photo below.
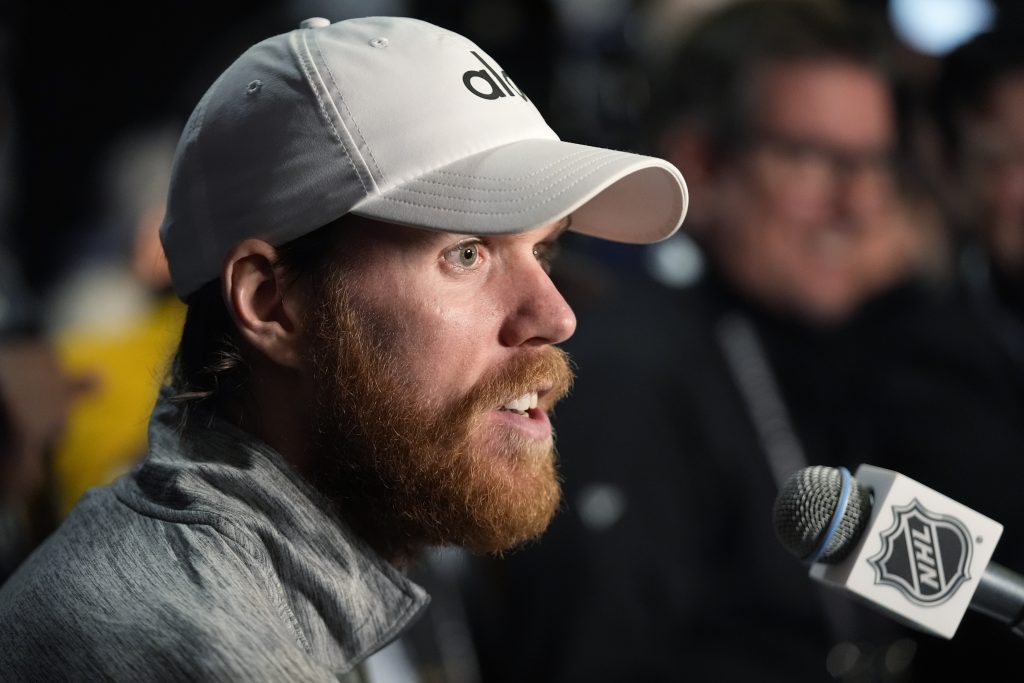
(924, 554)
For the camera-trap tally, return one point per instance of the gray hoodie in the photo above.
(211, 560)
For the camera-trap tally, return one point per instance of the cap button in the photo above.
(315, 22)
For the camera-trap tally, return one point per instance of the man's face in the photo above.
(994, 172)
(433, 369)
(801, 209)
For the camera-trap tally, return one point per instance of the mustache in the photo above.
(547, 371)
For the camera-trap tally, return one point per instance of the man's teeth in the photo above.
(522, 404)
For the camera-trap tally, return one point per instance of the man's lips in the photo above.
(533, 423)
(528, 413)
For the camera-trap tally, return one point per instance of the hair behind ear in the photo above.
(209, 370)
(209, 367)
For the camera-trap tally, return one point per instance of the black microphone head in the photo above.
(804, 509)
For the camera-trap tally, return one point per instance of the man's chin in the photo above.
(511, 448)
(513, 495)
(518, 529)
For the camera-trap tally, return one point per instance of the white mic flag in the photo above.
(920, 557)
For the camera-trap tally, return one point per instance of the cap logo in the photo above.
(496, 85)
(924, 555)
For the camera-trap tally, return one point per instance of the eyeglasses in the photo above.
(814, 165)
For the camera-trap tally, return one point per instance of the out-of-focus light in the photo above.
(936, 27)
(676, 262)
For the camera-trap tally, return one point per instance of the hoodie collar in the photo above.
(344, 601)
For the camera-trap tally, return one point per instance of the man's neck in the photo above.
(276, 411)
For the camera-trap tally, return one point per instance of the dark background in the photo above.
(82, 74)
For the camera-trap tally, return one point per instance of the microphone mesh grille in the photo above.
(804, 508)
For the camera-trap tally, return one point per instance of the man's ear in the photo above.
(265, 310)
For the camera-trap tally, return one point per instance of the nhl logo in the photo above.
(925, 555)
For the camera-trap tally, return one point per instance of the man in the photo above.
(949, 402)
(980, 103)
(342, 397)
(781, 117)
(36, 391)
(36, 396)
(795, 145)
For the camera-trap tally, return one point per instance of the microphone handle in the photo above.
(1000, 595)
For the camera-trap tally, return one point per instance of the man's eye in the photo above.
(545, 253)
(465, 255)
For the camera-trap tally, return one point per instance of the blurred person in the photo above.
(36, 391)
(798, 173)
(980, 108)
(36, 395)
(114, 316)
(948, 408)
(360, 219)
(693, 405)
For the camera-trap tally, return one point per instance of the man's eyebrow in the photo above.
(562, 226)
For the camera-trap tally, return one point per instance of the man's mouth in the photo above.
(522, 404)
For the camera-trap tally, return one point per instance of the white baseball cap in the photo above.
(393, 119)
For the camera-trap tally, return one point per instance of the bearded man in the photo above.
(360, 219)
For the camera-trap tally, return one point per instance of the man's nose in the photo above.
(539, 314)
(862, 186)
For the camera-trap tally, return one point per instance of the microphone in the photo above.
(898, 545)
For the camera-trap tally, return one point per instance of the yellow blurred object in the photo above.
(106, 432)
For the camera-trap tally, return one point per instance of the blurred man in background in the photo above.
(36, 396)
(694, 405)
(36, 391)
(980, 109)
(114, 316)
(948, 406)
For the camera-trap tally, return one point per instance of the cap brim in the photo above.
(526, 184)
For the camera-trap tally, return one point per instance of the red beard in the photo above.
(405, 476)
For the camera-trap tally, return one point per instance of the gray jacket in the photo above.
(211, 560)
